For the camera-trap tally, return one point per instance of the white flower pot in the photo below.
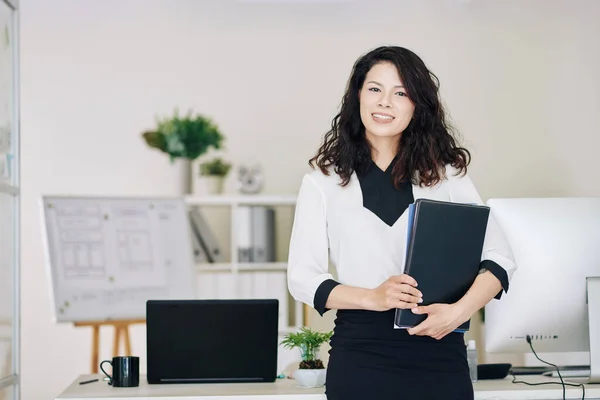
(184, 168)
(310, 378)
(213, 184)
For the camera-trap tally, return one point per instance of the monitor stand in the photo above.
(593, 304)
(591, 375)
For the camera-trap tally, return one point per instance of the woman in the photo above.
(388, 145)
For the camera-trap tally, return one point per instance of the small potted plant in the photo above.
(213, 172)
(184, 138)
(311, 372)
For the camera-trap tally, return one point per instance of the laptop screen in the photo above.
(212, 340)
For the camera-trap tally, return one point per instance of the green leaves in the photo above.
(189, 136)
(308, 341)
(155, 140)
(214, 167)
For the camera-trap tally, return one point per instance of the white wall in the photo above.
(519, 79)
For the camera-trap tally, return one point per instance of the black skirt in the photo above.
(369, 359)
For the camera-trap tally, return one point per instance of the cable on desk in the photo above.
(562, 382)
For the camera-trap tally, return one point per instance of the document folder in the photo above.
(444, 249)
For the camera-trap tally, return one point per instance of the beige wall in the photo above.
(519, 78)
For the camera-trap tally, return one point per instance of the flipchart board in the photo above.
(106, 257)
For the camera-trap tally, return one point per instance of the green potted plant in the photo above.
(311, 371)
(213, 172)
(183, 139)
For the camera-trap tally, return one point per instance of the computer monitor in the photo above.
(554, 296)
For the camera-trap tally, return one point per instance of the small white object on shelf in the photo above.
(213, 184)
(250, 178)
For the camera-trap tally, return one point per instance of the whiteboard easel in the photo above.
(106, 256)
(121, 329)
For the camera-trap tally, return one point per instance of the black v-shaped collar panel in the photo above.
(379, 194)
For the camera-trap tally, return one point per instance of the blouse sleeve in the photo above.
(308, 259)
(497, 257)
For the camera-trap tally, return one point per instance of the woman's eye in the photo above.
(374, 89)
(401, 93)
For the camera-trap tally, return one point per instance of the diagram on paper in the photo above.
(134, 251)
(83, 259)
(136, 231)
(81, 242)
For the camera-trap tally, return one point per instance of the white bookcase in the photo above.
(247, 279)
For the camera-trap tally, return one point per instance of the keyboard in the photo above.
(569, 370)
(570, 373)
(530, 370)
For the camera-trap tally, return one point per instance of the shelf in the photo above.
(249, 199)
(9, 189)
(242, 267)
(288, 329)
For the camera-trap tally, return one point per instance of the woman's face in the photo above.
(385, 108)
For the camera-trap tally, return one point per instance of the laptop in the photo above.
(212, 341)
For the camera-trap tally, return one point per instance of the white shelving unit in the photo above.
(234, 267)
(250, 199)
(10, 182)
(242, 267)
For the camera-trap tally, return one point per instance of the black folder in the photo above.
(444, 249)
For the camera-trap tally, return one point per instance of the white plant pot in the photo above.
(213, 184)
(184, 167)
(310, 378)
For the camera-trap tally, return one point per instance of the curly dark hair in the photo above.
(426, 146)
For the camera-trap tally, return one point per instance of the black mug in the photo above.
(125, 371)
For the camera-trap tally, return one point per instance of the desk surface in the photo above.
(286, 389)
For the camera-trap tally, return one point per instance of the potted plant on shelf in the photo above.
(183, 139)
(213, 173)
(311, 371)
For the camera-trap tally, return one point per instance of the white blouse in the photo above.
(331, 224)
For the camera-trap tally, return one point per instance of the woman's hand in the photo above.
(398, 291)
(441, 320)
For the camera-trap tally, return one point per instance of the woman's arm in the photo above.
(309, 280)
(396, 292)
(497, 257)
(496, 270)
(348, 297)
(443, 319)
(484, 289)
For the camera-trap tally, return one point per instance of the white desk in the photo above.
(285, 389)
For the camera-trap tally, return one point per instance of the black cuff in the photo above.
(322, 294)
(498, 272)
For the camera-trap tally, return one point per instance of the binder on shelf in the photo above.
(256, 234)
(204, 237)
(263, 234)
(244, 233)
(444, 249)
(199, 252)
